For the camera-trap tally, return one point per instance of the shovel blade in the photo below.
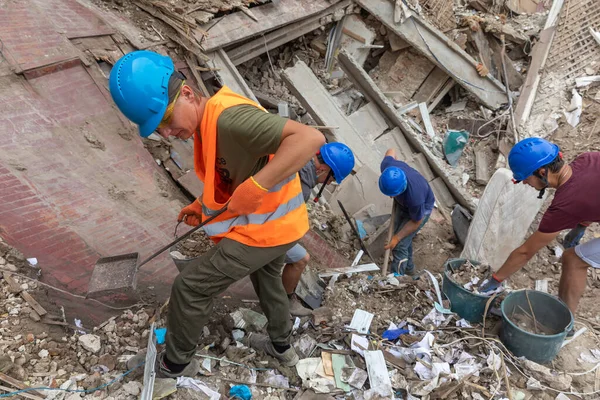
(115, 275)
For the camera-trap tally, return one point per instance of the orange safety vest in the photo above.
(281, 219)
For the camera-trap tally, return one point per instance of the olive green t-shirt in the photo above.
(246, 135)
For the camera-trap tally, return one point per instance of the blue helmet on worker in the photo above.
(392, 181)
(339, 158)
(139, 85)
(529, 155)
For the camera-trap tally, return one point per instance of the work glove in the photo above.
(192, 214)
(392, 243)
(574, 236)
(490, 284)
(247, 197)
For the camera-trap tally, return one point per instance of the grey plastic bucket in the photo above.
(549, 311)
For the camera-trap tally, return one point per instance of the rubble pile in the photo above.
(333, 228)
(469, 276)
(195, 245)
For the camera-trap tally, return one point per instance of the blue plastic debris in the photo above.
(393, 334)
(361, 229)
(240, 392)
(160, 334)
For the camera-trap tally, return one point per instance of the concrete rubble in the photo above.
(374, 74)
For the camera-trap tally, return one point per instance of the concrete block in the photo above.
(503, 217)
(419, 162)
(443, 197)
(369, 121)
(354, 24)
(359, 190)
(394, 139)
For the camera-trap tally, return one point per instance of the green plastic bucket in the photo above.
(549, 311)
(468, 305)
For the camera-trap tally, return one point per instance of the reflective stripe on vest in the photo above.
(209, 212)
(221, 227)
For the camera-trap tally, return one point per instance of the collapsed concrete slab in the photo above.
(307, 88)
(503, 216)
(229, 74)
(363, 82)
(448, 56)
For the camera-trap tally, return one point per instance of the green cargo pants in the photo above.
(197, 285)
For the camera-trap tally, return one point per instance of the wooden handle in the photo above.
(386, 256)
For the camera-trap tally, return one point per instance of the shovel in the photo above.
(117, 274)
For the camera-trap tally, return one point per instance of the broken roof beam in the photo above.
(236, 27)
(363, 82)
(307, 88)
(539, 56)
(229, 74)
(440, 50)
(260, 45)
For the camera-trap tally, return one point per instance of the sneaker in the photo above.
(191, 370)
(257, 341)
(297, 309)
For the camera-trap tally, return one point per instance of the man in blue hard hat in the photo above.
(539, 163)
(334, 161)
(248, 160)
(413, 204)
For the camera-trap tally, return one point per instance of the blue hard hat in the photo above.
(529, 155)
(392, 181)
(339, 158)
(138, 84)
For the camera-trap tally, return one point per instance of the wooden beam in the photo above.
(236, 27)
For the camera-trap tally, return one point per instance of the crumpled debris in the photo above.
(198, 386)
(573, 113)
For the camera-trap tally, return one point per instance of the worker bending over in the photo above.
(576, 203)
(413, 204)
(334, 161)
(248, 160)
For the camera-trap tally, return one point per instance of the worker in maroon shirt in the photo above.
(576, 203)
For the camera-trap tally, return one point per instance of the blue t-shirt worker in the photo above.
(413, 202)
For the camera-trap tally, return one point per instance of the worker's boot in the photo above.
(161, 369)
(257, 341)
(297, 309)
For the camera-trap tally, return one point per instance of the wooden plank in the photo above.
(271, 40)
(33, 303)
(18, 384)
(431, 86)
(350, 270)
(229, 74)
(327, 363)
(378, 373)
(236, 27)
(482, 171)
(426, 120)
(24, 394)
(441, 51)
(13, 286)
(363, 82)
(532, 81)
